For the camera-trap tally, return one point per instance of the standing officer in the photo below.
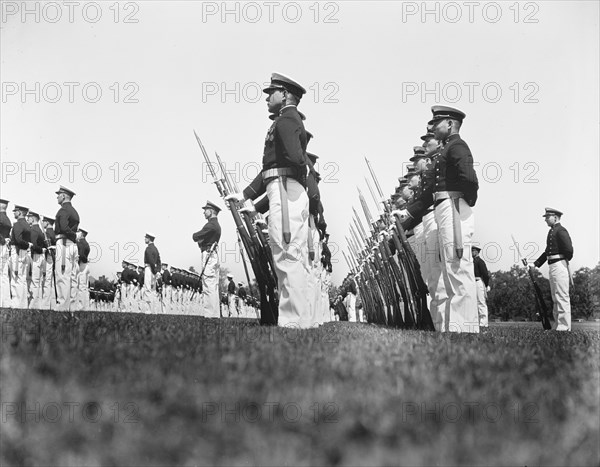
(48, 288)
(83, 272)
(207, 240)
(67, 223)
(151, 268)
(230, 295)
(20, 240)
(5, 226)
(37, 259)
(455, 193)
(559, 251)
(482, 282)
(284, 179)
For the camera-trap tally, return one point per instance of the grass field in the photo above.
(122, 389)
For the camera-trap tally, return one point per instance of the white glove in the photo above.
(402, 214)
(235, 197)
(488, 288)
(248, 207)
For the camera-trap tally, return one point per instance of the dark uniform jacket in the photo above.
(37, 239)
(176, 279)
(454, 169)
(242, 293)
(152, 258)
(210, 233)
(285, 146)
(423, 197)
(558, 242)
(231, 287)
(20, 235)
(83, 249)
(5, 225)
(481, 270)
(127, 275)
(67, 221)
(166, 277)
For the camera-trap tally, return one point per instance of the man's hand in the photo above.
(402, 214)
(235, 197)
(248, 207)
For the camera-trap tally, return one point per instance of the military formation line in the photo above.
(413, 263)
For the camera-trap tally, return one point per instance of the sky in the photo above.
(104, 97)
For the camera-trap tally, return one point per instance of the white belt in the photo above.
(556, 257)
(478, 278)
(441, 195)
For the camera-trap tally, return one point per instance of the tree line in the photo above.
(512, 297)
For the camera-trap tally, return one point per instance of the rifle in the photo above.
(396, 285)
(258, 252)
(232, 185)
(540, 303)
(410, 265)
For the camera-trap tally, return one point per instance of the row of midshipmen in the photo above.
(434, 203)
(44, 260)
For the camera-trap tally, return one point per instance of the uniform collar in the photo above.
(290, 106)
(452, 137)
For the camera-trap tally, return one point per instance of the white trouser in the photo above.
(5, 300)
(48, 291)
(166, 294)
(35, 288)
(351, 307)
(83, 287)
(66, 280)
(482, 308)
(210, 285)
(460, 314)
(431, 268)
(231, 304)
(326, 310)
(559, 288)
(20, 269)
(290, 259)
(124, 303)
(418, 241)
(149, 292)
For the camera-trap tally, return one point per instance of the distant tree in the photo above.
(102, 283)
(512, 295)
(192, 269)
(584, 293)
(595, 289)
(223, 271)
